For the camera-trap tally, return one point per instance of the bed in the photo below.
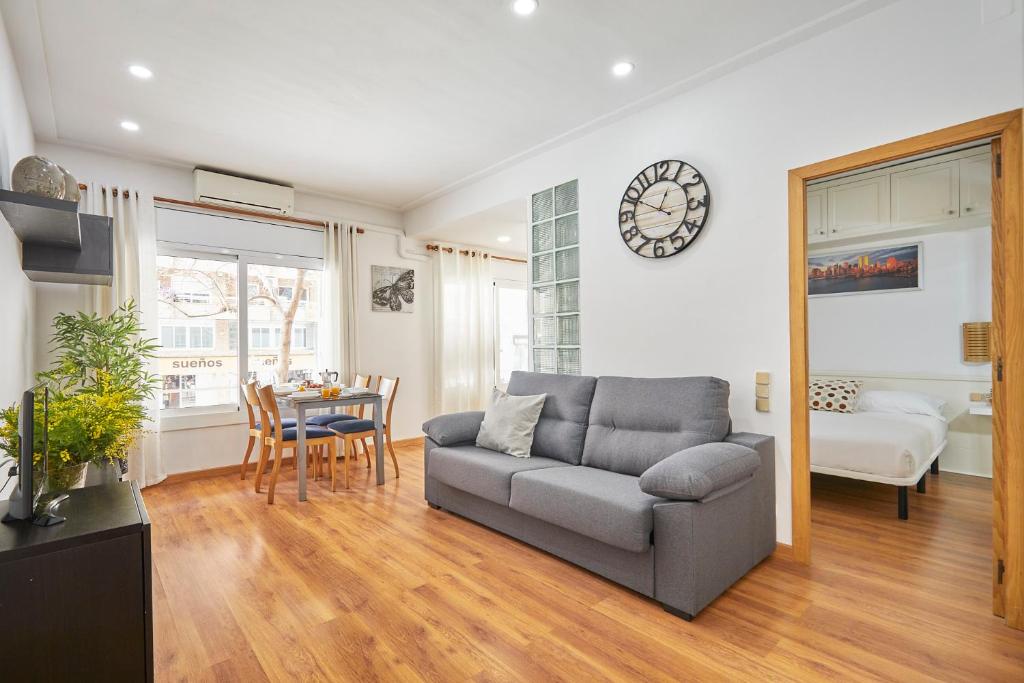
(890, 448)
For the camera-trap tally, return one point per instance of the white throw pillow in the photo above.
(509, 423)
(910, 402)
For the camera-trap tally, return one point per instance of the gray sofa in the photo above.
(638, 480)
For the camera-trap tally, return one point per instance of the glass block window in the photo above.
(555, 280)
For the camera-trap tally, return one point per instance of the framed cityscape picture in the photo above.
(865, 270)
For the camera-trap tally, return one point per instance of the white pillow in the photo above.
(910, 402)
(509, 423)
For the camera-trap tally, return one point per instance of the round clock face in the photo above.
(663, 209)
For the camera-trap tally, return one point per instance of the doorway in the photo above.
(1007, 346)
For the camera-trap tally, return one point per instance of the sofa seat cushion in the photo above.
(606, 506)
(480, 471)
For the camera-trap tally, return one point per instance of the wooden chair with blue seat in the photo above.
(279, 438)
(252, 407)
(351, 431)
(361, 381)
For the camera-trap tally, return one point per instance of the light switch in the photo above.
(762, 391)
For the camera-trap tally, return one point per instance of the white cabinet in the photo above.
(859, 207)
(949, 191)
(976, 185)
(817, 215)
(928, 194)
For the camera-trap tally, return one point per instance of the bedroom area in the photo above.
(899, 311)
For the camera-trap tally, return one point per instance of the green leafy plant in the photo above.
(97, 354)
(98, 384)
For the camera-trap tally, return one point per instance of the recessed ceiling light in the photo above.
(130, 125)
(504, 238)
(622, 69)
(140, 71)
(524, 8)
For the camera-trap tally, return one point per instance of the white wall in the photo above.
(16, 302)
(721, 307)
(915, 332)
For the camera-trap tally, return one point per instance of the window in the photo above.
(226, 313)
(304, 336)
(511, 329)
(198, 306)
(555, 280)
(283, 328)
(185, 336)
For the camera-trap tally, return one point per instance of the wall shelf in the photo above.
(42, 220)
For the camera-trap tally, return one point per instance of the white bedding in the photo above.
(886, 447)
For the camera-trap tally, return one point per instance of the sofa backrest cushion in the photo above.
(637, 422)
(563, 421)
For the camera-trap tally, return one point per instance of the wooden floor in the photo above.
(370, 584)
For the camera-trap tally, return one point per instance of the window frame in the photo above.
(172, 419)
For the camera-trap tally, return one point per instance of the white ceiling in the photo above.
(484, 228)
(386, 101)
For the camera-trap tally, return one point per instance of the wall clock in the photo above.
(663, 209)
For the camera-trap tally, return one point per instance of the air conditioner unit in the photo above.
(242, 193)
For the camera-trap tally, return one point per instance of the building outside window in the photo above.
(199, 321)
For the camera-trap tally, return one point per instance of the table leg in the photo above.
(378, 437)
(300, 448)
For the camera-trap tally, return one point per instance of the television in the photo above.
(26, 495)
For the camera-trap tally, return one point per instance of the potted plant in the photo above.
(97, 386)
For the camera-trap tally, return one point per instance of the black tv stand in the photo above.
(78, 596)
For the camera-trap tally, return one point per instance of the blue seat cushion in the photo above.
(352, 426)
(324, 420)
(312, 432)
(285, 422)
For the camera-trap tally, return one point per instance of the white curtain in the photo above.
(341, 292)
(463, 330)
(134, 278)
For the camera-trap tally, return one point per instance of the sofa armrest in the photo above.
(697, 472)
(455, 428)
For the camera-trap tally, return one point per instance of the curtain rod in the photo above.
(467, 252)
(227, 209)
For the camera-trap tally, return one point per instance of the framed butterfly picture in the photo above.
(393, 289)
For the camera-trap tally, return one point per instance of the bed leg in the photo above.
(902, 501)
(921, 484)
(935, 465)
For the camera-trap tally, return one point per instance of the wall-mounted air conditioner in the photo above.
(242, 193)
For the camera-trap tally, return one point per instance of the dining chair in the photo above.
(252, 407)
(351, 431)
(348, 414)
(328, 418)
(279, 438)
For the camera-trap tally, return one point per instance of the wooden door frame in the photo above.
(1008, 259)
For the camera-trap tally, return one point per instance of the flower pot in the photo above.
(103, 473)
(67, 477)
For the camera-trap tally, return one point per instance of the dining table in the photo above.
(316, 402)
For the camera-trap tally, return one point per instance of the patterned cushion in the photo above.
(285, 422)
(352, 426)
(835, 395)
(324, 420)
(311, 433)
